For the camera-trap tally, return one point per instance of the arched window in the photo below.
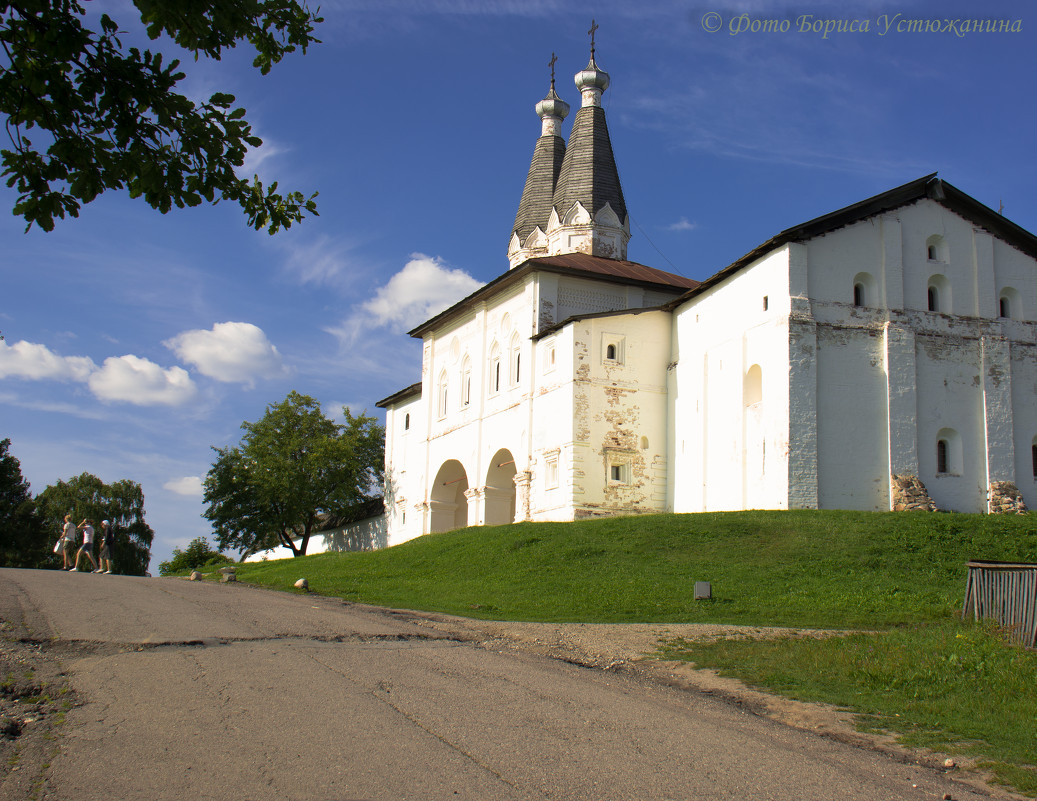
(941, 456)
(441, 394)
(516, 359)
(1010, 304)
(938, 296)
(859, 297)
(466, 381)
(495, 376)
(864, 292)
(936, 249)
(949, 458)
(610, 352)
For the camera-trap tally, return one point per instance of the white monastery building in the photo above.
(883, 356)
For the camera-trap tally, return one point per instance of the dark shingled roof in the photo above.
(589, 173)
(535, 207)
(414, 390)
(928, 186)
(574, 264)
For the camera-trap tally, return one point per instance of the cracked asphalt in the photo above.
(176, 689)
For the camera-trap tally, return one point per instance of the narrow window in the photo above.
(406, 422)
(610, 352)
(466, 382)
(1033, 457)
(934, 299)
(941, 456)
(518, 367)
(858, 294)
(1004, 308)
(496, 376)
(933, 256)
(616, 472)
(765, 302)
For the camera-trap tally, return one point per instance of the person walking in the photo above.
(67, 540)
(87, 548)
(107, 546)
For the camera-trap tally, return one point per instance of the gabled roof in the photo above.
(579, 265)
(928, 186)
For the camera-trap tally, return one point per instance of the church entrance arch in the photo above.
(448, 502)
(499, 495)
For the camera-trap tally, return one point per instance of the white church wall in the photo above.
(552, 415)
(1024, 389)
(405, 469)
(619, 420)
(729, 423)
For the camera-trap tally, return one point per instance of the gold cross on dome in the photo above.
(594, 27)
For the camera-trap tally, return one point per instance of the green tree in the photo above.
(121, 503)
(103, 116)
(293, 469)
(197, 554)
(23, 540)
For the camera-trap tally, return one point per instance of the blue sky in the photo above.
(136, 341)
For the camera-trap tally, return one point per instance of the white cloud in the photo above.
(141, 382)
(29, 360)
(422, 289)
(229, 352)
(188, 485)
(318, 262)
(683, 224)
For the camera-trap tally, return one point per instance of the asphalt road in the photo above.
(197, 690)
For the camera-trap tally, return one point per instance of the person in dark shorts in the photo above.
(107, 546)
(87, 548)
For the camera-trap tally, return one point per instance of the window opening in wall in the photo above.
(403, 516)
(858, 294)
(406, 422)
(941, 456)
(934, 299)
(496, 376)
(765, 303)
(551, 477)
(466, 382)
(610, 352)
(644, 443)
(1033, 457)
(616, 472)
(518, 367)
(932, 253)
(442, 394)
(1003, 308)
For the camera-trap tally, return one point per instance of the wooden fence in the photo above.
(1005, 592)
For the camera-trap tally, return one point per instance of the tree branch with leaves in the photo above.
(85, 115)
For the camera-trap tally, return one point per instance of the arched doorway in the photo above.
(499, 495)
(449, 506)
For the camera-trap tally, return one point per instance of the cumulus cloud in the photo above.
(141, 382)
(188, 485)
(422, 289)
(230, 352)
(30, 360)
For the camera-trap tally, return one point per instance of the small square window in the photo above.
(618, 473)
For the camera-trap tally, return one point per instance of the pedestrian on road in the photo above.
(67, 540)
(107, 545)
(87, 548)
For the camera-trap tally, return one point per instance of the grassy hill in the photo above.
(827, 569)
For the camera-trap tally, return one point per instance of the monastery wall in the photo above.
(404, 470)
(729, 397)
(619, 422)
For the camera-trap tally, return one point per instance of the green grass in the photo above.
(919, 672)
(944, 685)
(808, 569)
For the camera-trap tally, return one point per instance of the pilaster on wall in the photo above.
(997, 409)
(802, 407)
(892, 278)
(984, 282)
(476, 506)
(522, 481)
(901, 402)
